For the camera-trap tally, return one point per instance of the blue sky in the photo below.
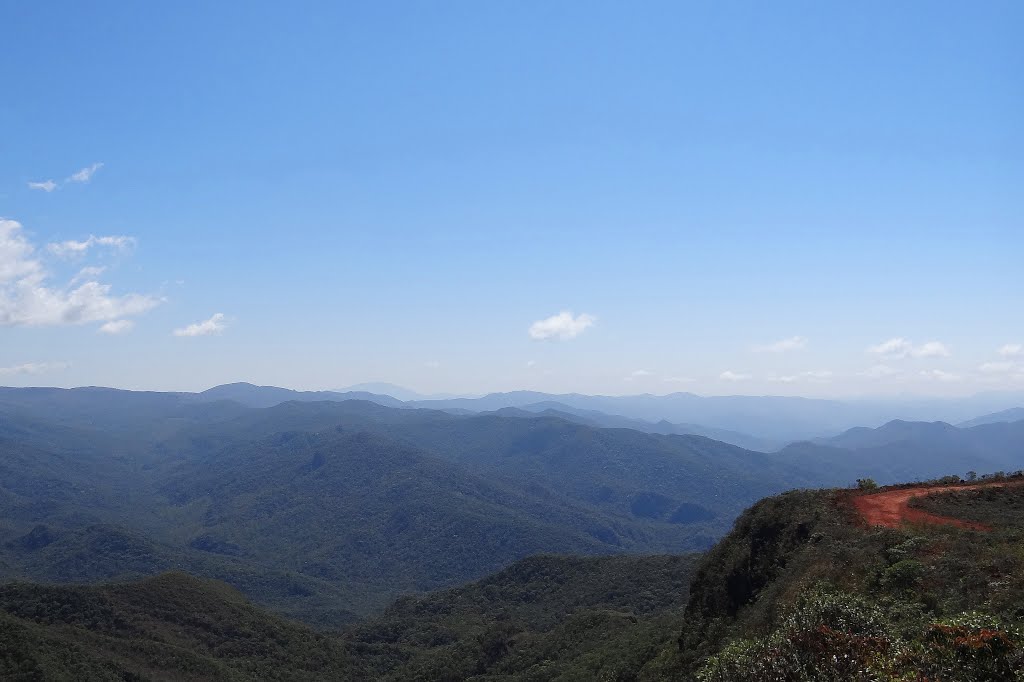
(738, 197)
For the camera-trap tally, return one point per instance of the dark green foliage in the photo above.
(169, 627)
(995, 506)
(542, 618)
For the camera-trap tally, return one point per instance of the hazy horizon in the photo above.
(1010, 393)
(468, 198)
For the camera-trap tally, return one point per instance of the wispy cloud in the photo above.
(678, 380)
(820, 376)
(997, 367)
(939, 375)
(28, 298)
(729, 375)
(33, 368)
(117, 327)
(1002, 371)
(88, 272)
(85, 174)
(72, 248)
(639, 374)
(783, 345)
(561, 327)
(1012, 350)
(880, 371)
(215, 325)
(80, 176)
(898, 348)
(45, 185)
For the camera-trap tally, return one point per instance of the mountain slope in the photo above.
(908, 451)
(542, 618)
(618, 471)
(610, 421)
(268, 396)
(168, 627)
(1014, 414)
(803, 589)
(377, 518)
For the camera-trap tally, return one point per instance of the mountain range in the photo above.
(324, 507)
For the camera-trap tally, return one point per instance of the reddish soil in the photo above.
(891, 508)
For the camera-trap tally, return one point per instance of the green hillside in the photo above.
(804, 589)
(322, 510)
(542, 618)
(171, 627)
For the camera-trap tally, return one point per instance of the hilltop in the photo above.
(806, 587)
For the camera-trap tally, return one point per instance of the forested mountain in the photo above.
(169, 627)
(804, 588)
(542, 618)
(611, 421)
(774, 418)
(900, 451)
(325, 510)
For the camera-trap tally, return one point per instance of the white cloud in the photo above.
(1012, 350)
(639, 374)
(893, 348)
(90, 271)
(815, 376)
(530, 364)
(33, 368)
(117, 327)
(783, 345)
(72, 248)
(85, 174)
(997, 367)
(562, 326)
(215, 325)
(939, 375)
(932, 349)
(678, 380)
(27, 298)
(729, 375)
(880, 371)
(899, 348)
(45, 185)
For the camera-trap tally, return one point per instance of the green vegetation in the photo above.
(998, 507)
(542, 618)
(326, 511)
(803, 590)
(169, 627)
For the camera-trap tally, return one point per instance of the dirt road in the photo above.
(891, 508)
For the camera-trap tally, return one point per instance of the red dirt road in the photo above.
(891, 508)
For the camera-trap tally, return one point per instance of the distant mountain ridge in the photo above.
(1013, 414)
(754, 422)
(268, 396)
